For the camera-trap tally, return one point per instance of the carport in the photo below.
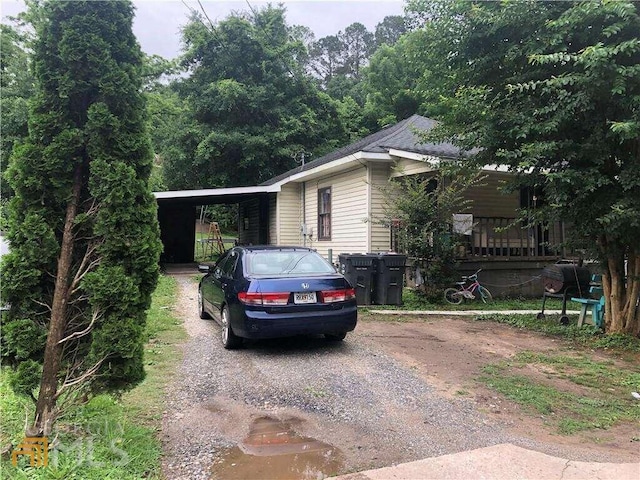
(177, 216)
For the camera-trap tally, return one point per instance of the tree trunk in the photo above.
(45, 407)
(631, 309)
(622, 293)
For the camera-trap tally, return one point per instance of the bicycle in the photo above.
(474, 290)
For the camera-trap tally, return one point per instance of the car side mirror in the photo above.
(203, 268)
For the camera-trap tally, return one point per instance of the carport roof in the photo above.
(214, 195)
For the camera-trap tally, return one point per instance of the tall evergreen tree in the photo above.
(83, 229)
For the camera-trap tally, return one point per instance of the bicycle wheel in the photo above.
(484, 294)
(452, 296)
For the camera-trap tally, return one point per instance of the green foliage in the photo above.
(586, 335)
(26, 378)
(17, 84)
(251, 109)
(603, 401)
(420, 210)
(23, 339)
(390, 29)
(108, 437)
(550, 89)
(397, 78)
(88, 131)
(416, 299)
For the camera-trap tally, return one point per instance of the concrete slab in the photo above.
(504, 461)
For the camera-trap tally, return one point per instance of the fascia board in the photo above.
(435, 161)
(336, 164)
(414, 156)
(217, 192)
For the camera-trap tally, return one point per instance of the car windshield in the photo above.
(287, 262)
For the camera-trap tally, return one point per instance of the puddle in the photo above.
(274, 451)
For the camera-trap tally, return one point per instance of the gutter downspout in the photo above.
(304, 209)
(304, 214)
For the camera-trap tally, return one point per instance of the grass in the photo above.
(199, 250)
(600, 396)
(109, 437)
(413, 300)
(586, 336)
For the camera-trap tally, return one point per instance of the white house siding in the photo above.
(379, 234)
(405, 166)
(289, 214)
(488, 201)
(349, 212)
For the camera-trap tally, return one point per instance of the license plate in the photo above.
(304, 297)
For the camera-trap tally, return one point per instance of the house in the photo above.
(328, 204)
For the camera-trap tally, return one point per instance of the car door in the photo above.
(209, 289)
(222, 278)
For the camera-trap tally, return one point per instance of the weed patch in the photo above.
(605, 390)
(414, 300)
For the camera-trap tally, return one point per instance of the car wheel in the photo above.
(201, 311)
(335, 337)
(229, 339)
(452, 296)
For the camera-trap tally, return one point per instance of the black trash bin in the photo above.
(360, 270)
(390, 279)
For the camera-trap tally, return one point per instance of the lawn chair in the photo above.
(595, 302)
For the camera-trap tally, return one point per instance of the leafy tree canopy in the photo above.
(551, 89)
(251, 107)
(17, 84)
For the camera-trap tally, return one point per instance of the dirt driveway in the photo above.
(392, 392)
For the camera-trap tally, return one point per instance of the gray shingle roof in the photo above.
(401, 136)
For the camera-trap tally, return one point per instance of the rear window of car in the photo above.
(287, 262)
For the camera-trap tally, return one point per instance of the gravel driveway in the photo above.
(365, 408)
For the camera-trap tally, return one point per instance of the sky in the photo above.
(157, 23)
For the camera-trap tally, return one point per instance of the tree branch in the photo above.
(95, 316)
(86, 265)
(81, 378)
(42, 304)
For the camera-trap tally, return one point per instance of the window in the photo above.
(324, 213)
(226, 265)
(287, 262)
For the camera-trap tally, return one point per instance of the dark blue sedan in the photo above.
(267, 292)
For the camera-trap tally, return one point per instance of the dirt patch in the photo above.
(450, 354)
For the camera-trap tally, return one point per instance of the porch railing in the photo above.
(500, 237)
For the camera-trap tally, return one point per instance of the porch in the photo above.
(501, 238)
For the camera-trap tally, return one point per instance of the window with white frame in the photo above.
(324, 213)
